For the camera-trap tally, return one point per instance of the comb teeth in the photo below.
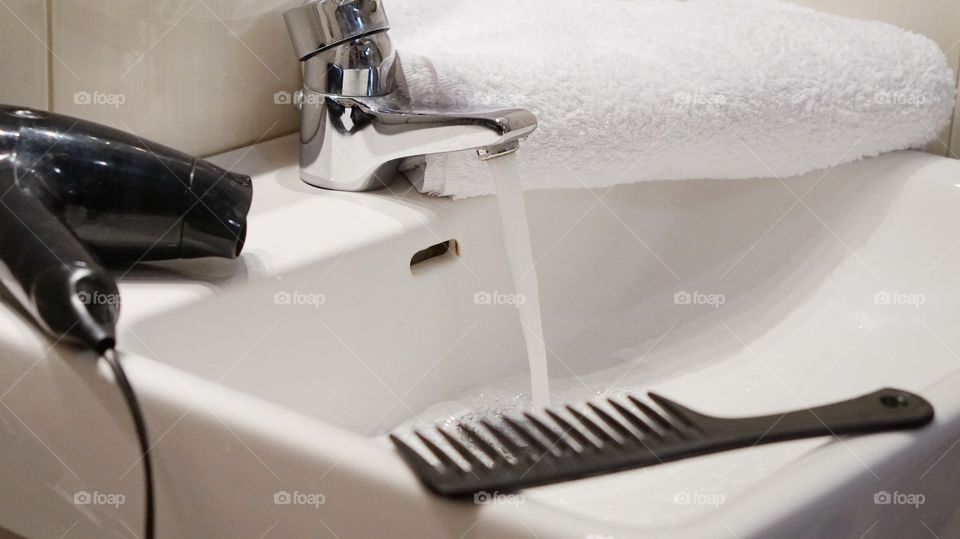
(622, 430)
(586, 444)
(441, 455)
(533, 443)
(594, 429)
(532, 449)
(635, 420)
(474, 462)
(482, 444)
(513, 449)
(557, 439)
(686, 418)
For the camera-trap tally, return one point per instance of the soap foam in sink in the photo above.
(509, 396)
(485, 402)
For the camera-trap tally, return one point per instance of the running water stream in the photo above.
(513, 213)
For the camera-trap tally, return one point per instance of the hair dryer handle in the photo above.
(51, 273)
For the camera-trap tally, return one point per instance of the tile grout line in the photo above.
(49, 21)
(956, 111)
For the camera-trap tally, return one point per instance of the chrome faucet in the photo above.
(357, 124)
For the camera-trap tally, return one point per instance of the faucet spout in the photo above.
(358, 143)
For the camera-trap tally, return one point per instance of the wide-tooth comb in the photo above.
(533, 450)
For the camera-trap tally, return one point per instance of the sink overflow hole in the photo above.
(449, 248)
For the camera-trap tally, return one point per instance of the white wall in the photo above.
(23, 53)
(199, 75)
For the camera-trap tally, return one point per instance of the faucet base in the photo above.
(383, 177)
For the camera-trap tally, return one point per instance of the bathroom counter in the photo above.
(267, 380)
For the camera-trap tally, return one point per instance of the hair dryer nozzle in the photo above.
(216, 221)
(126, 198)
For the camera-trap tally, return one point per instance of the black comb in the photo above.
(628, 433)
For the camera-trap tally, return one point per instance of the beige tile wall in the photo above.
(937, 19)
(23, 53)
(201, 75)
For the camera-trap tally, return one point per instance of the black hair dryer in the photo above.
(74, 193)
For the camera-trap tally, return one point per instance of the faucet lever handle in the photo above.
(322, 24)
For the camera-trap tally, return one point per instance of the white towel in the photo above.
(634, 90)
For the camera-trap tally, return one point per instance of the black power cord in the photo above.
(110, 356)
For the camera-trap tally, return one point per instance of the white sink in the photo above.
(278, 373)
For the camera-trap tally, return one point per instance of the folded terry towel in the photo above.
(634, 90)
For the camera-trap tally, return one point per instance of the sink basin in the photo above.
(269, 381)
